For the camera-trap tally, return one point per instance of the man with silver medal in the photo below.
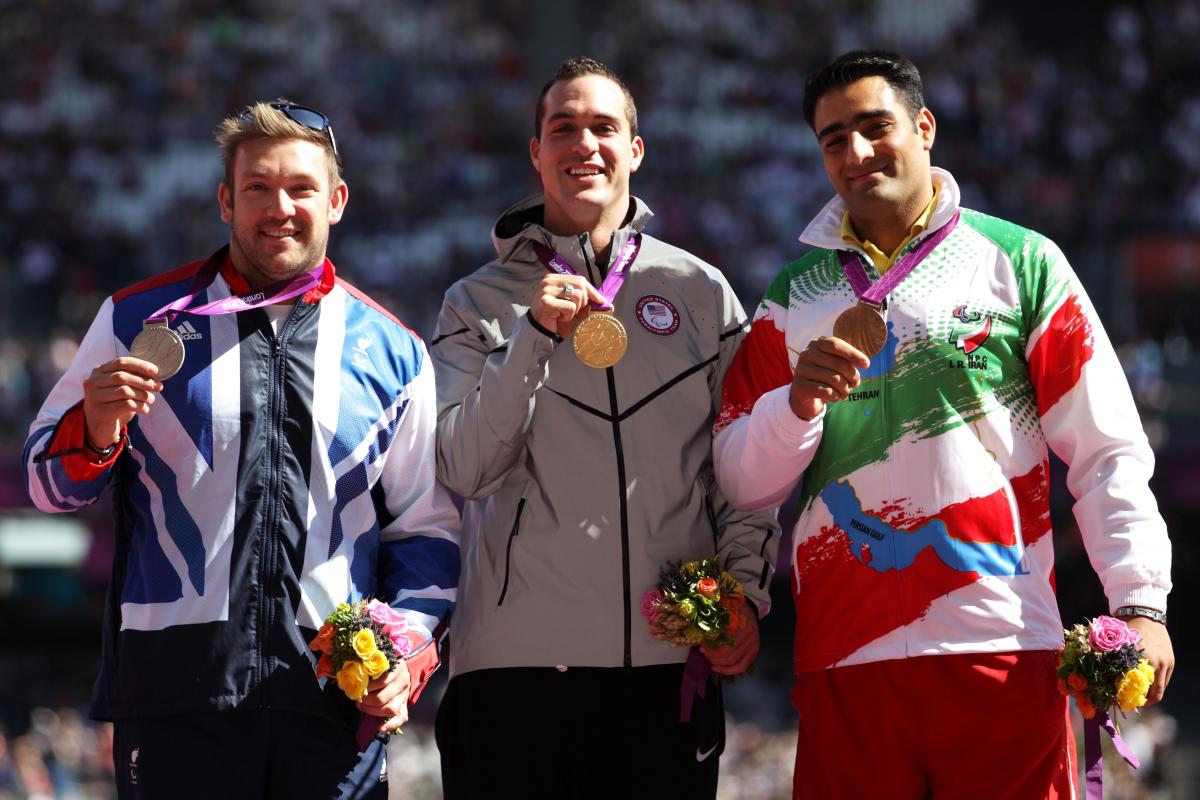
(232, 397)
(585, 469)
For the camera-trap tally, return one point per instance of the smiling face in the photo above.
(875, 154)
(585, 154)
(279, 208)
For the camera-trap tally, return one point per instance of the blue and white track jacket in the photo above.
(277, 475)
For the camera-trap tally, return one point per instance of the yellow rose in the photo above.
(1131, 691)
(376, 664)
(352, 679)
(364, 643)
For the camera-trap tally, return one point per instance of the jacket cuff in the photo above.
(423, 662)
(792, 430)
(557, 339)
(67, 446)
(1149, 596)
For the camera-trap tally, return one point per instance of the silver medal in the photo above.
(161, 346)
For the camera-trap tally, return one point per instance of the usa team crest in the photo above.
(657, 315)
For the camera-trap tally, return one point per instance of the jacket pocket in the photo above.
(508, 550)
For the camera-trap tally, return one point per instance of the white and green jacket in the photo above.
(925, 519)
(582, 483)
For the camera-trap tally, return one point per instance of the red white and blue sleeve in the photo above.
(419, 551)
(59, 475)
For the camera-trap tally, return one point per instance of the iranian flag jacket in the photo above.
(924, 524)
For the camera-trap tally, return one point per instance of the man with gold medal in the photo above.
(585, 469)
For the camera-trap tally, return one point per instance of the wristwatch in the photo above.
(102, 453)
(1141, 611)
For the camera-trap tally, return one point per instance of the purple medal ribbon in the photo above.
(612, 281)
(874, 293)
(1093, 760)
(695, 682)
(275, 293)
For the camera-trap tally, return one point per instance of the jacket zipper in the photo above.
(508, 552)
(267, 542)
(887, 427)
(625, 579)
(626, 603)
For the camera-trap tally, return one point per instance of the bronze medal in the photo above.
(161, 346)
(862, 326)
(600, 340)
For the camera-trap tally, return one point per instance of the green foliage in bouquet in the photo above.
(695, 603)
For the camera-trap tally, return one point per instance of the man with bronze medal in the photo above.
(585, 469)
(268, 432)
(962, 347)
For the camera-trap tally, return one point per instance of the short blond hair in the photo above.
(262, 121)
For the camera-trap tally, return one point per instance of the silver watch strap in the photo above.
(1141, 611)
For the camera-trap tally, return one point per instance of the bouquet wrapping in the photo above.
(695, 603)
(1104, 670)
(358, 642)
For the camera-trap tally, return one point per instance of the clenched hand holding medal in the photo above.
(829, 369)
(117, 391)
(599, 339)
(862, 325)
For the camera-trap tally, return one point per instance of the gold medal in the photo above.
(600, 340)
(862, 326)
(161, 346)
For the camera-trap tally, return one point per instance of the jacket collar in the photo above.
(239, 285)
(522, 224)
(825, 230)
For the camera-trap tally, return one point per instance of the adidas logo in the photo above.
(187, 332)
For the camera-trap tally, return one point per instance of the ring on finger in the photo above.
(568, 292)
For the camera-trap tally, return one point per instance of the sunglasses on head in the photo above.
(308, 117)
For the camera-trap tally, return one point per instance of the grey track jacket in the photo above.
(581, 483)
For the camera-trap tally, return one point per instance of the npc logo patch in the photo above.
(657, 315)
(970, 340)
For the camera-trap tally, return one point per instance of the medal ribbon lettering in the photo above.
(163, 347)
(275, 293)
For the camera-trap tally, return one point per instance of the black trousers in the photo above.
(588, 732)
(244, 754)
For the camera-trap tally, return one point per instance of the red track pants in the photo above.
(948, 726)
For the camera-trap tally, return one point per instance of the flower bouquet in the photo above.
(359, 642)
(1102, 668)
(695, 603)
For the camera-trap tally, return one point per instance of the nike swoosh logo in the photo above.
(702, 755)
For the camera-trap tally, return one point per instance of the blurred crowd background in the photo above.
(1078, 119)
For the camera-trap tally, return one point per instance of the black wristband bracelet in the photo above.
(102, 453)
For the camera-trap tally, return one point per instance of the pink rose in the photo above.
(650, 603)
(393, 623)
(1110, 633)
(401, 644)
(382, 613)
